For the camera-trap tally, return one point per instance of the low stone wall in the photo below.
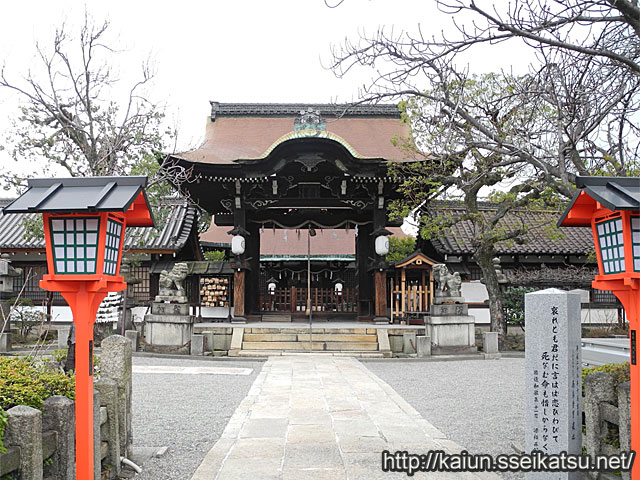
(41, 444)
(606, 406)
(217, 340)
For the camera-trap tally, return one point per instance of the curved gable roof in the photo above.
(252, 131)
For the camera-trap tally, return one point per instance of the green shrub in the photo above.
(619, 372)
(23, 382)
(513, 304)
(4, 418)
(215, 255)
(400, 248)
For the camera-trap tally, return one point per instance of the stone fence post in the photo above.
(598, 388)
(24, 430)
(624, 420)
(58, 414)
(115, 363)
(108, 389)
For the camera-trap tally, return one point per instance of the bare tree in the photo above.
(604, 29)
(69, 117)
(463, 165)
(526, 136)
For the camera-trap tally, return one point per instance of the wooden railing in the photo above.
(294, 300)
(413, 299)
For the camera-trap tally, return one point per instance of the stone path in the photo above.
(321, 417)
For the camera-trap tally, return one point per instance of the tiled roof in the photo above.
(289, 109)
(251, 131)
(543, 236)
(172, 238)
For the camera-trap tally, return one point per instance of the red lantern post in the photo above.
(84, 223)
(611, 206)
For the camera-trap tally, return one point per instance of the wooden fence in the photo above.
(294, 300)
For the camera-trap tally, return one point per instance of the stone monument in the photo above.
(169, 324)
(553, 366)
(451, 328)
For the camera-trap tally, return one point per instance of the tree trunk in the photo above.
(484, 259)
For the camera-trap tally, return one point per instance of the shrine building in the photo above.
(312, 170)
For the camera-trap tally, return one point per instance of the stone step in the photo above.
(276, 318)
(304, 337)
(321, 346)
(270, 337)
(315, 329)
(267, 353)
(347, 346)
(280, 345)
(338, 337)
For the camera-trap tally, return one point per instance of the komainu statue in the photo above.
(447, 284)
(172, 282)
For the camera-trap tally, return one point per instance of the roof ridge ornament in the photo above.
(310, 119)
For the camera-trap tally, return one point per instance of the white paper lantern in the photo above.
(237, 245)
(382, 245)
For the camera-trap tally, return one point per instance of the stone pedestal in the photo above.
(490, 345)
(451, 329)
(168, 324)
(5, 342)
(409, 343)
(424, 346)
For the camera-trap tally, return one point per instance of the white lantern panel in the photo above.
(611, 245)
(73, 246)
(382, 245)
(237, 245)
(112, 248)
(635, 242)
(92, 224)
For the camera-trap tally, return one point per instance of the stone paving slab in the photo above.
(321, 417)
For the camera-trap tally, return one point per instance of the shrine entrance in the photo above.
(334, 290)
(293, 172)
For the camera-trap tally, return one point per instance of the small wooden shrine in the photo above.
(412, 287)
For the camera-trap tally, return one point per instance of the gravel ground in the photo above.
(478, 404)
(187, 413)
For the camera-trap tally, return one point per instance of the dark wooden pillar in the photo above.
(379, 263)
(239, 275)
(364, 253)
(381, 295)
(252, 281)
(238, 294)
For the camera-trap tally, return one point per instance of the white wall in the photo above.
(474, 292)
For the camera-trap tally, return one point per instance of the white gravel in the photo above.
(186, 413)
(478, 404)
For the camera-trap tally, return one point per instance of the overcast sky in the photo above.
(229, 51)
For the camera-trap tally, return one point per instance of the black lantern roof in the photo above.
(614, 193)
(84, 194)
